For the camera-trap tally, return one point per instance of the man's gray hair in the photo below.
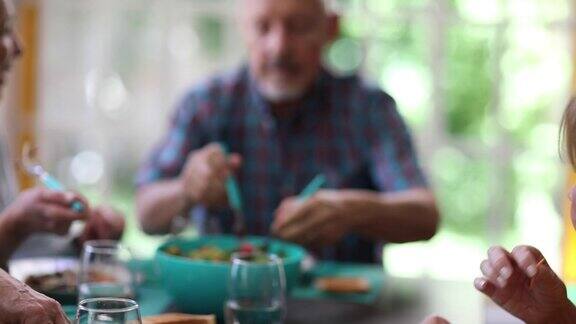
(330, 5)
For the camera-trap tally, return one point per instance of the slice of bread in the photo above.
(174, 318)
(342, 285)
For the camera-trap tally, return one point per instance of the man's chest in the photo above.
(283, 159)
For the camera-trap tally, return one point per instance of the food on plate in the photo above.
(342, 285)
(63, 281)
(216, 254)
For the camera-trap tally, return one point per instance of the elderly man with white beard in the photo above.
(285, 119)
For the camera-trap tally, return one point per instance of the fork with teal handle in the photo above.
(313, 187)
(33, 168)
(235, 200)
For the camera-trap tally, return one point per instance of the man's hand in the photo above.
(320, 221)
(20, 304)
(104, 223)
(205, 174)
(522, 283)
(42, 210)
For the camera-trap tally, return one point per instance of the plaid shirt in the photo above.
(343, 129)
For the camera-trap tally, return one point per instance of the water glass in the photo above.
(108, 311)
(104, 271)
(256, 290)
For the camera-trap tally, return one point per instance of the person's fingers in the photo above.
(64, 199)
(216, 183)
(113, 218)
(288, 207)
(234, 162)
(485, 287)
(311, 229)
(100, 226)
(214, 194)
(502, 263)
(543, 280)
(108, 224)
(60, 227)
(527, 259)
(53, 308)
(293, 218)
(56, 197)
(299, 211)
(215, 157)
(317, 230)
(59, 213)
(197, 181)
(37, 312)
(214, 177)
(61, 318)
(487, 270)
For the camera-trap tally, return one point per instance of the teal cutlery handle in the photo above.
(312, 187)
(233, 191)
(232, 187)
(77, 207)
(51, 183)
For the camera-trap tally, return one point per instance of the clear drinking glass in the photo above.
(108, 311)
(104, 271)
(256, 290)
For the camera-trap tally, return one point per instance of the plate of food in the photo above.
(55, 277)
(58, 279)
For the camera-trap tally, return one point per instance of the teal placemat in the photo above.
(373, 273)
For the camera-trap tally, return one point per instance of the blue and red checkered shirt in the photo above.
(343, 129)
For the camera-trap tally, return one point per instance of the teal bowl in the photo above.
(200, 287)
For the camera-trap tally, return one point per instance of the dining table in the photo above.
(393, 299)
(398, 300)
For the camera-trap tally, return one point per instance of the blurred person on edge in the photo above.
(31, 221)
(521, 281)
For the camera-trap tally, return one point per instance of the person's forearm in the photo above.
(159, 203)
(10, 239)
(392, 217)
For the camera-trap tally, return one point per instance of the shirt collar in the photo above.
(309, 103)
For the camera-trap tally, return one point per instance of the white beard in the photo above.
(278, 94)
